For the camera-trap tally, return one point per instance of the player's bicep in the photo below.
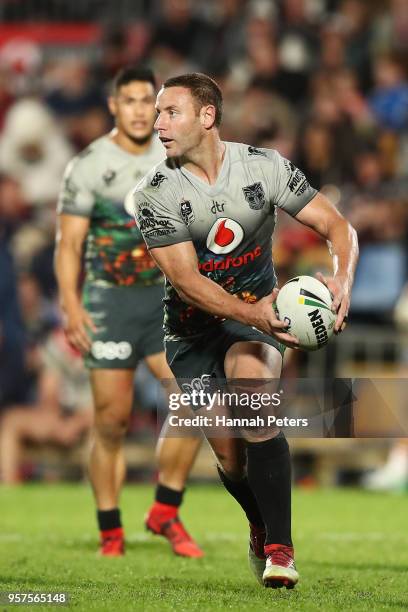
(320, 215)
(177, 261)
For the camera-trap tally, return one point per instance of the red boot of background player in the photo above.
(162, 519)
(112, 543)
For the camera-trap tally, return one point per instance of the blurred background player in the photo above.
(119, 321)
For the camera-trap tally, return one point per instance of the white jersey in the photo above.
(230, 223)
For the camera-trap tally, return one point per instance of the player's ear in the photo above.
(112, 105)
(207, 116)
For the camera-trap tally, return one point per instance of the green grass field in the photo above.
(351, 550)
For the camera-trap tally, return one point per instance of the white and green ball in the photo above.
(305, 303)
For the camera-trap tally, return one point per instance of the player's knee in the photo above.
(111, 425)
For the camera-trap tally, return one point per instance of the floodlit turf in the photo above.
(352, 552)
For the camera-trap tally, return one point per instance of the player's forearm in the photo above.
(67, 270)
(343, 244)
(205, 294)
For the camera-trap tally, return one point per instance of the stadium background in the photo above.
(322, 81)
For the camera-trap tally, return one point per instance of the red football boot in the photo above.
(163, 519)
(112, 543)
(256, 554)
(280, 570)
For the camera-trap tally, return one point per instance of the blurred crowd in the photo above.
(323, 81)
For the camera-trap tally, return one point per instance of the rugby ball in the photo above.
(305, 303)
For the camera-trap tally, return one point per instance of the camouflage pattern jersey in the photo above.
(95, 185)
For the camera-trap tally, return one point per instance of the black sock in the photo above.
(242, 492)
(269, 476)
(171, 497)
(109, 519)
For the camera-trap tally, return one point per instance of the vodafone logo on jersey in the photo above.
(224, 236)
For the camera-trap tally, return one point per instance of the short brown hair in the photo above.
(203, 89)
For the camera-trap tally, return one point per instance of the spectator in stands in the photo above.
(389, 101)
(61, 414)
(33, 151)
(354, 18)
(316, 155)
(12, 337)
(77, 100)
(376, 207)
(180, 30)
(228, 20)
(6, 97)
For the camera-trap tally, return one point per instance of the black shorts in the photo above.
(129, 322)
(205, 355)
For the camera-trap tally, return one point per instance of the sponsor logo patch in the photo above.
(186, 212)
(158, 179)
(111, 350)
(297, 182)
(217, 207)
(318, 327)
(210, 265)
(255, 196)
(197, 384)
(151, 223)
(224, 236)
(255, 151)
(109, 176)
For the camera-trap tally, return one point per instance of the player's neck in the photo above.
(205, 161)
(127, 144)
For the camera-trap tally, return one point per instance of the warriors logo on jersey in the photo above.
(255, 196)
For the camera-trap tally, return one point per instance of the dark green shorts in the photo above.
(204, 356)
(129, 322)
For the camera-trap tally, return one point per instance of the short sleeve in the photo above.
(289, 188)
(158, 220)
(76, 197)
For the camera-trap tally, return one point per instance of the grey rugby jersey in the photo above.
(230, 224)
(95, 185)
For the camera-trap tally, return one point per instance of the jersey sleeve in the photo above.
(76, 196)
(289, 188)
(158, 218)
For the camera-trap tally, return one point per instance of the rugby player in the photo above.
(118, 321)
(209, 227)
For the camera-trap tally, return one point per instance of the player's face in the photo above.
(178, 123)
(133, 109)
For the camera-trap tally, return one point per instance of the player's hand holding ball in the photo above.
(341, 299)
(268, 321)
